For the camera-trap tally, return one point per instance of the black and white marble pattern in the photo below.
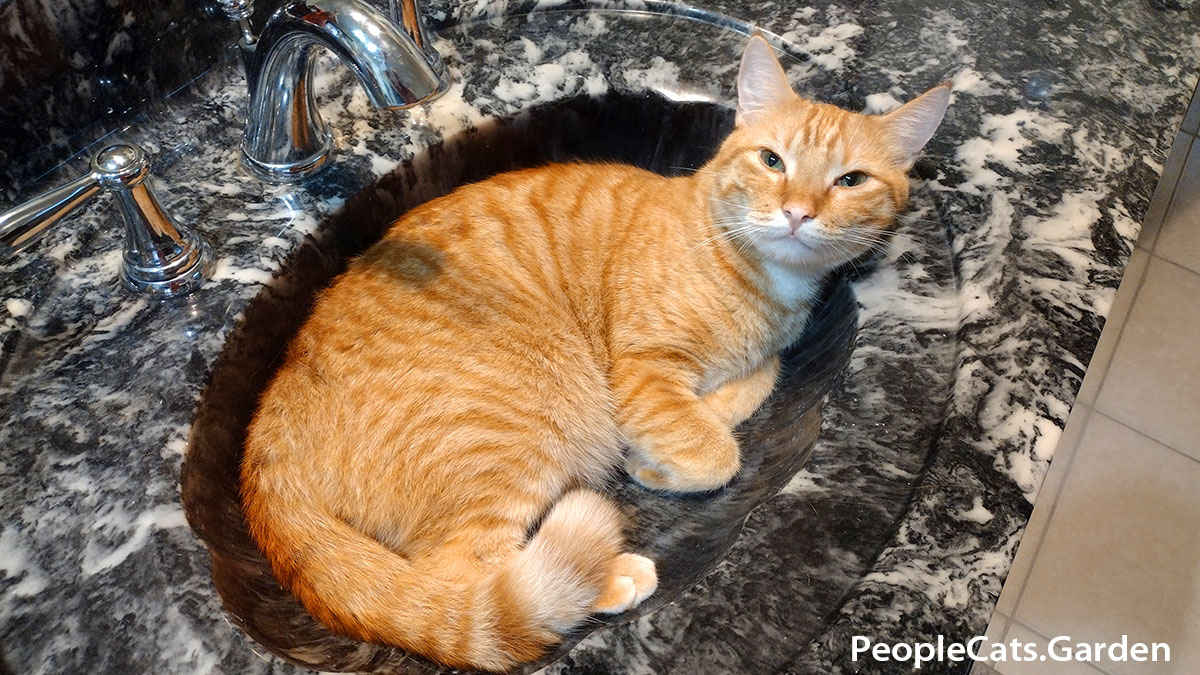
(74, 71)
(973, 330)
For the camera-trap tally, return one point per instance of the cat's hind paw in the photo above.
(632, 580)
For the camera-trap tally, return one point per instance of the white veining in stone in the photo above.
(974, 330)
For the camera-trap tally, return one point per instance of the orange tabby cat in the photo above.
(478, 371)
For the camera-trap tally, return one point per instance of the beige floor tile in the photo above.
(1135, 271)
(1035, 665)
(1153, 380)
(1047, 498)
(1179, 237)
(1121, 554)
(1167, 183)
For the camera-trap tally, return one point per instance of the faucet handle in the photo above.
(241, 11)
(22, 225)
(161, 258)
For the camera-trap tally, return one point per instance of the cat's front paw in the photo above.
(646, 472)
(708, 469)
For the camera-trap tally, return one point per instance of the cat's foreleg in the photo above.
(678, 442)
(736, 400)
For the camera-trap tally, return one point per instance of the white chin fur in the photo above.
(794, 252)
(789, 252)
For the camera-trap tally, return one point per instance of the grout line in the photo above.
(1143, 434)
(1041, 536)
(1166, 217)
(1137, 292)
(1174, 264)
(1033, 630)
(1006, 621)
(1091, 664)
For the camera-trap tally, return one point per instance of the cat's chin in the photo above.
(792, 252)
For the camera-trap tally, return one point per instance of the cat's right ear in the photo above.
(762, 83)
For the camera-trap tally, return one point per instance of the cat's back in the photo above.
(506, 278)
(551, 205)
(518, 251)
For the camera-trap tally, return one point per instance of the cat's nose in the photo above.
(797, 215)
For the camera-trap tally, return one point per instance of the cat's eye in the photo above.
(771, 160)
(851, 179)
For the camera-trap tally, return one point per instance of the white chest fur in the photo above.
(792, 286)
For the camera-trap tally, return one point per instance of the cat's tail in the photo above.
(438, 607)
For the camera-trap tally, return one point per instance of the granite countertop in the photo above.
(974, 329)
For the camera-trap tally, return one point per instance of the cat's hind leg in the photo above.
(573, 565)
(736, 400)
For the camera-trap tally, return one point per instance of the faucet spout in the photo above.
(286, 139)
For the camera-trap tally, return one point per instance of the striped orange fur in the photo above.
(478, 371)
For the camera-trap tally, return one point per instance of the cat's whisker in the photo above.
(902, 241)
(727, 202)
(730, 220)
(723, 234)
(905, 220)
(731, 223)
(742, 244)
(869, 244)
(731, 235)
(694, 170)
(865, 241)
(874, 235)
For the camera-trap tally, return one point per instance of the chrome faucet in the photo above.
(161, 258)
(286, 139)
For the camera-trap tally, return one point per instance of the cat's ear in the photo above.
(912, 124)
(761, 81)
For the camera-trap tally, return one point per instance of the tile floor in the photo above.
(1113, 546)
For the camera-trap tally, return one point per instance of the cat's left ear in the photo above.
(912, 124)
(762, 83)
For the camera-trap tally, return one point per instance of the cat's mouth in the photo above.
(794, 240)
(803, 249)
(789, 249)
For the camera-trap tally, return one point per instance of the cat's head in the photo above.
(810, 184)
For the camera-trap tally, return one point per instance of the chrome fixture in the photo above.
(161, 258)
(286, 139)
(240, 11)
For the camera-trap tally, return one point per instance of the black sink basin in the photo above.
(686, 535)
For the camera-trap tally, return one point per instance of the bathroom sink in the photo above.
(662, 120)
(687, 536)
